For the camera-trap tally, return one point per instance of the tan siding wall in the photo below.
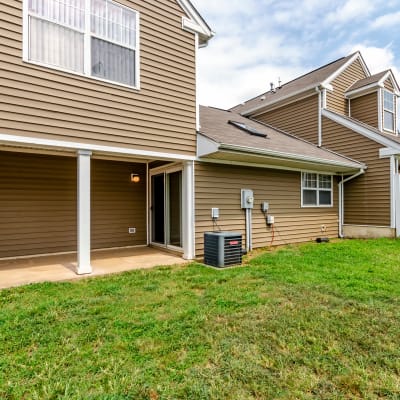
(388, 85)
(118, 204)
(37, 204)
(335, 100)
(367, 198)
(219, 186)
(46, 103)
(299, 118)
(365, 109)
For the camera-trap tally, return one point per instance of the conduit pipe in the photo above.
(249, 245)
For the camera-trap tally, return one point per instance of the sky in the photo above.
(261, 41)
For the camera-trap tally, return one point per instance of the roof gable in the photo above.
(195, 23)
(372, 83)
(321, 77)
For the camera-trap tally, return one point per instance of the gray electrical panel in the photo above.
(247, 198)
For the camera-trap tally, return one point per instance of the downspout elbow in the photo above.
(341, 198)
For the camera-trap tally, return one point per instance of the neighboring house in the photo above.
(341, 107)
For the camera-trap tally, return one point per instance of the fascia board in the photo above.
(373, 87)
(195, 22)
(282, 167)
(287, 156)
(52, 144)
(360, 129)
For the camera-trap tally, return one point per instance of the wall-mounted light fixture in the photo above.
(135, 178)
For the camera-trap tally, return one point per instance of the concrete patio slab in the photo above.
(17, 272)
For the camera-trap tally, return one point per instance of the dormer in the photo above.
(373, 100)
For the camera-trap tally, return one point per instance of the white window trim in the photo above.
(87, 37)
(317, 189)
(389, 111)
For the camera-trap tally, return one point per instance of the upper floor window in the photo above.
(316, 190)
(96, 38)
(388, 111)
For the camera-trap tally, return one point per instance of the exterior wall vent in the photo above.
(222, 249)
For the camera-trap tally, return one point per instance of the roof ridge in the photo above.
(297, 78)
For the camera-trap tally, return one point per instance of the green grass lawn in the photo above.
(316, 321)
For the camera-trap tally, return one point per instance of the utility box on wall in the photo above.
(222, 249)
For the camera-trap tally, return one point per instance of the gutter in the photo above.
(341, 198)
(282, 155)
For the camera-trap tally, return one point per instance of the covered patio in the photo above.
(23, 271)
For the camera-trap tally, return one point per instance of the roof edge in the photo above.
(195, 23)
(361, 129)
(356, 55)
(290, 156)
(262, 106)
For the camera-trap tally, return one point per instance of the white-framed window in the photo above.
(316, 190)
(95, 38)
(389, 106)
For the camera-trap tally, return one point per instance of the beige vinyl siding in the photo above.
(335, 100)
(42, 102)
(118, 204)
(365, 109)
(220, 185)
(389, 85)
(299, 118)
(37, 204)
(367, 198)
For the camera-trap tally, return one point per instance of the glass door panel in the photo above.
(158, 209)
(174, 201)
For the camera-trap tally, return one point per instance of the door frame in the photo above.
(165, 170)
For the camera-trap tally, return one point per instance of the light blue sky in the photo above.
(259, 41)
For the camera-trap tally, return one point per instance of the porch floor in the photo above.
(62, 267)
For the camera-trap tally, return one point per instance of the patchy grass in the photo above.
(302, 322)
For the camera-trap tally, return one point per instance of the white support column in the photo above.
(188, 211)
(84, 266)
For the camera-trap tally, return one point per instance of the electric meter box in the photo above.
(247, 198)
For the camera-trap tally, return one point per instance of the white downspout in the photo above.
(320, 100)
(341, 199)
(394, 195)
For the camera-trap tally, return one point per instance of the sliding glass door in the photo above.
(166, 209)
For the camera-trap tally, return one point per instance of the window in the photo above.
(96, 38)
(388, 111)
(316, 190)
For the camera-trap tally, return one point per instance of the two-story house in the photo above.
(342, 107)
(102, 144)
(96, 97)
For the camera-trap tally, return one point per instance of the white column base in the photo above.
(84, 269)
